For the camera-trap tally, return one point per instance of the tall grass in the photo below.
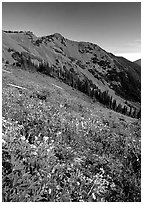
(61, 149)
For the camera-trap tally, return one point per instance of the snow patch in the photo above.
(6, 71)
(57, 86)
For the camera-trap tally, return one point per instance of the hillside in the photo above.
(138, 62)
(83, 61)
(59, 145)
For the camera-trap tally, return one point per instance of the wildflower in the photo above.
(45, 138)
(77, 160)
(59, 133)
(33, 146)
(34, 153)
(68, 148)
(38, 174)
(36, 138)
(50, 190)
(102, 170)
(52, 141)
(50, 148)
(93, 196)
(23, 138)
(61, 105)
(58, 187)
(3, 141)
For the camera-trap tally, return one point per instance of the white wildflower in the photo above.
(34, 153)
(23, 138)
(59, 133)
(33, 146)
(38, 174)
(113, 186)
(58, 187)
(68, 148)
(102, 170)
(45, 138)
(50, 148)
(93, 195)
(50, 190)
(3, 141)
(52, 141)
(77, 160)
(36, 138)
(61, 105)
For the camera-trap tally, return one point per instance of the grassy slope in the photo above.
(59, 146)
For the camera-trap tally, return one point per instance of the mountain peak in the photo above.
(58, 35)
(88, 60)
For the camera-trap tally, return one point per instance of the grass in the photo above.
(59, 146)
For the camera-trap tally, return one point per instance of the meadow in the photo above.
(60, 146)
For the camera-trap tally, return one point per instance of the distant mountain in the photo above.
(138, 62)
(83, 61)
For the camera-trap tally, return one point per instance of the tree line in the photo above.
(70, 77)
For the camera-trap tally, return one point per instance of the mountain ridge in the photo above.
(138, 62)
(116, 75)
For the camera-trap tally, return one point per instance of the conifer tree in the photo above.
(134, 113)
(119, 108)
(124, 110)
(114, 106)
(130, 112)
(139, 114)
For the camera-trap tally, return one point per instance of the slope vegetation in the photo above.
(59, 146)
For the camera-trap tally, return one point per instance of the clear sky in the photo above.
(116, 27)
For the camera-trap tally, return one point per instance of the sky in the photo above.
(114, 26)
